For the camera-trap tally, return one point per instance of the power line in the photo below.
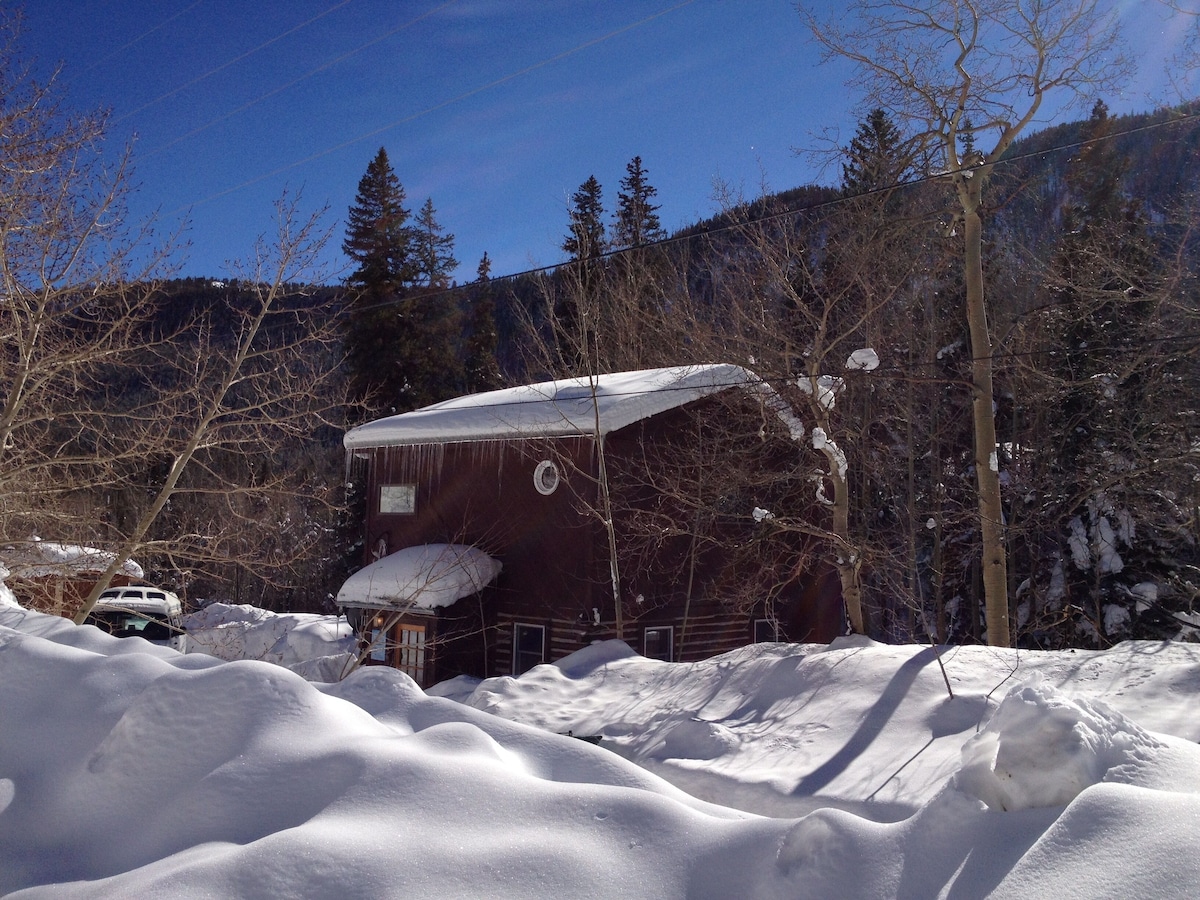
(791, 211)
(309, 74)
(235, 60)
(141, 37)
(374, 132)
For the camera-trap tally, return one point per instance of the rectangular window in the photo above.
(529, 647)
(657, 643)
(397, 499)
(378, 645)
(765, 631)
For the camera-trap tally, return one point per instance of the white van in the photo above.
(141, 611)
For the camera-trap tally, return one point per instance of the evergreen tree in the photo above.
(575, 296)
(636, 222)
(875, 156)
(426, 367)
(378, 237)
(399, 341)
(482, 370)
(434, 249)
(586, 239)
(1102, 303)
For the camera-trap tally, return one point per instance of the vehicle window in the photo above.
(156, 631)
(129, 624)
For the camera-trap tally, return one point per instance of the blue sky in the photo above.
(496, 109)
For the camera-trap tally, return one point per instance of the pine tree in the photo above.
(378, 237)
(575, 297)
(430, 319)
(586, 239)
(434, 249)
(482, 371)
(400, 337)
(1100, 299)
(636, 223)
(875, 156)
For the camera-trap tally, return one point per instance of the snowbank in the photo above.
(317, 647)
(1042, 749)
(782, 729)
(183, 776)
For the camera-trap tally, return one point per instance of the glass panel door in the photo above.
(529, 647)
(408, 654)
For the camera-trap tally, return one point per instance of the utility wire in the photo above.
(786, 213)
(374, 132)
(228, 63)
(295, 81)
(141, 37)
(1091, 351)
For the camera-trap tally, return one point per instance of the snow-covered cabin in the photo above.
(486, 549)
(54, 577)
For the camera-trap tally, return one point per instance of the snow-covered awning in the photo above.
(564, 408)
(427, 577)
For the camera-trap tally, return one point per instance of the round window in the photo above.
(545, 477)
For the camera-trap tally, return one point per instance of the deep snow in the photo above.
(127, 769)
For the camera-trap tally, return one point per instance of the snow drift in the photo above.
(320, 648)
(129, 770)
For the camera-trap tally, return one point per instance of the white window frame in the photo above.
(546, 477)
(516, 654)
(769, 623)
(397, 499)
(670, 630)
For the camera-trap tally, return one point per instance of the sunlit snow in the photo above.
(854, 770)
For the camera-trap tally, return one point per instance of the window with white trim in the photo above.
(546, 477)
(529, 647)
(765, 631)
(410, 651)
(658, 642)
(397, 499)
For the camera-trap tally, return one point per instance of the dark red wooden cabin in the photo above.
(55, 578)
(518, 474)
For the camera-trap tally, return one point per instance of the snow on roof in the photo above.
(562, 408)
(41, 559)
(428, 576)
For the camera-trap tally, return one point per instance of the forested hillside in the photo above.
(195, 425)
(1090, 264)
(1092, 267)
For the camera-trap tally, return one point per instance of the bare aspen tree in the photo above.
(806, 303)
(248, 390)
(76, 286)
(965, 78)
